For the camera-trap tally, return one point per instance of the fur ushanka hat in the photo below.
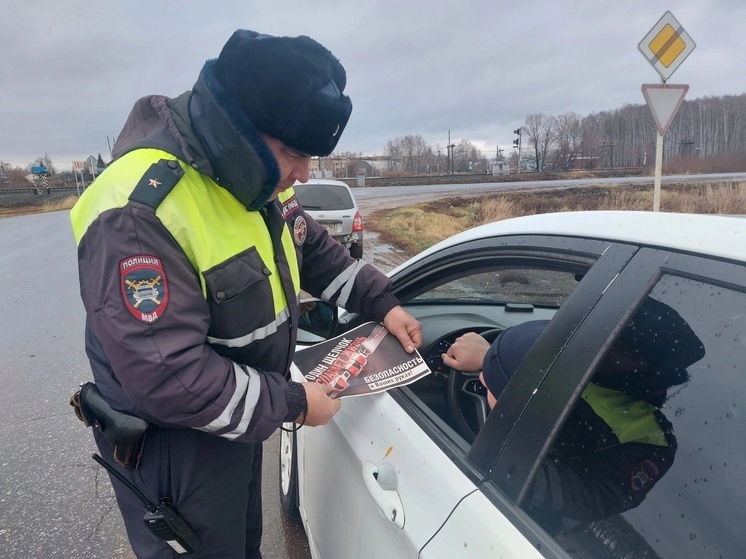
(291, 88)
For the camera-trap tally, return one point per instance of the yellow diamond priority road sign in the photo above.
(666, 46)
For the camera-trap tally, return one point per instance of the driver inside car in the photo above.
(613, 447)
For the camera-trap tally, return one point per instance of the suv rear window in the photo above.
(324, 197)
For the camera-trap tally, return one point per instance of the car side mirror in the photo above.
(318, 321)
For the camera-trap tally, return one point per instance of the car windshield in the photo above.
(538, 287)
(324, 197)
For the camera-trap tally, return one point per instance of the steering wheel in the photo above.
(466, 397)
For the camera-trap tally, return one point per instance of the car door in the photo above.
(388, 477)
(692, 507)
(384, 490)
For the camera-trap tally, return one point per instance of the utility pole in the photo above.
(113, 139)
(450, 151)
(610, 157)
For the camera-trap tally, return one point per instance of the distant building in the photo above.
(499, 168)
(349, 167)
(586, 163)
(4, 179)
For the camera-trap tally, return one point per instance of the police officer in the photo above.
(192, 251)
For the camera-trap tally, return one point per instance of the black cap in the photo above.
(507, 352)
(291, 88)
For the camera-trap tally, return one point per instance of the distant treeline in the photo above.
(712, 128)
(706, 135)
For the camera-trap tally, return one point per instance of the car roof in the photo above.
(310, 182)
(716, 235)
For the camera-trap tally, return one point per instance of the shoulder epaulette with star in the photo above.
(157, 182)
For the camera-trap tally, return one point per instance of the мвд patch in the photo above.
(144, 287)
(300, 230)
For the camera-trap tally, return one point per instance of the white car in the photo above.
(425, 471)
(332, 204)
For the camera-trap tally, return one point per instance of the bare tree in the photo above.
(541, 131)
(411, 152)
(568, 138)
(466, 156)
(394, 152)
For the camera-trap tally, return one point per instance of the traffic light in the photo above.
(517, 141)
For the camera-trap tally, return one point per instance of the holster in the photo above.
(126, 433)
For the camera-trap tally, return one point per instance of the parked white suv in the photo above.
(331, 204)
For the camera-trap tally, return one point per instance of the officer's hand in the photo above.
(321, 408)
(467, 352)
(405, 327)
(308, 306)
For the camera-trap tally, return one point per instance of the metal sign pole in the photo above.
(77, 184)
(658, 169)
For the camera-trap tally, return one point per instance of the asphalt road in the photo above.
(395, 196)
(55, 502)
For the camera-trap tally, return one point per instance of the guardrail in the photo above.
(465, 178)
(39, 191)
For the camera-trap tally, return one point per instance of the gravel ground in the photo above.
(384, 256)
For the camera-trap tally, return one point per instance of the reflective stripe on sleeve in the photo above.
(252, 397)
(344, 281)
(248, 386)
(258, 334)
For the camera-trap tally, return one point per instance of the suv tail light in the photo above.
(357, 223)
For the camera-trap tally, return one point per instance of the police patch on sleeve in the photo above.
(290, 207)
(300, 230)
(144, 287)
(644, 475)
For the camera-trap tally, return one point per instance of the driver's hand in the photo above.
(467, 352)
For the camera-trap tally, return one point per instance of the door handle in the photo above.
(381, 485)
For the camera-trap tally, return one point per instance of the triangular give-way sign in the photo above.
(664, 100)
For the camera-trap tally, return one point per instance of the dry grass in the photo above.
(418, 227)
(63, 204)
(47, 206)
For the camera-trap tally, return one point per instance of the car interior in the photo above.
(485, 300)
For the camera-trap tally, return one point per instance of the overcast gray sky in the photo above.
(72, 70)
